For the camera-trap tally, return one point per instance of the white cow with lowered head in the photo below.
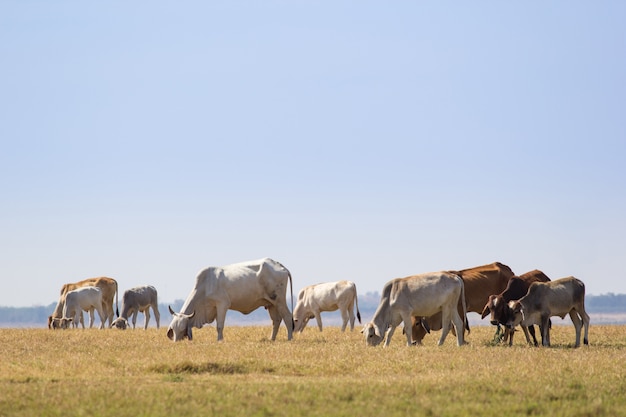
(420, 295)
(83, 298)
(243, 287)
(329, 296)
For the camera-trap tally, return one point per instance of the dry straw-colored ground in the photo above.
(141, 373)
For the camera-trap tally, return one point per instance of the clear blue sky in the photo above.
(352, 140)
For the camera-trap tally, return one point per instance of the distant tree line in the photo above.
(37, 316)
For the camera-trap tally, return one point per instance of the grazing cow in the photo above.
(84, 298)
(556, 298)
(420, 295)
(135, 300)
(108, 286)
(243, 287)
(498, 305)
(480, 282)
(330, 296)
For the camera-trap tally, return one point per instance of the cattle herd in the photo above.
(423, 302)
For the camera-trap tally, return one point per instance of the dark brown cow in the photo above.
(480, 282)
(108, 286)
(498, 306)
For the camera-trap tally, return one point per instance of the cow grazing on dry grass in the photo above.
(420, 295)
(329, 296)
(480, 282)
(79, 300)
(498, 305)
(556, 298)
(243, 287)
(136, 300)
(108, 286)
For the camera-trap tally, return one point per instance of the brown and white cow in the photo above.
(556, 298)
(136, 300)
(243, 287)
(79, 300)
(498, 304)
(480, 282)
(420, 295)
(108, 286)
(328, 296)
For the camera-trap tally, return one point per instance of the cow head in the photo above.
(54, 323)
(517, 314)
(497, 308)
(300, 321)
(180, 327)
(120, 323)
(372, 334)
(65, 322)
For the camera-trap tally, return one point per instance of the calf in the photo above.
(330, 296)
(84, 298)
(546, 299)
(135, 300)
(499, 309)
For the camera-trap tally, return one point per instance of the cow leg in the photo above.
(80, 319)
(146, 314)
(545, 331)
(157, 315)
(351, 317)
(220, 320)
(91, 317)
(345, 317)
(578, 325)
(276, 319)
(525, 330)
(102, 315)
(457, 322)
(585, 318)
(531, 330)
(134, 318)
(287, 318)
(318, 319)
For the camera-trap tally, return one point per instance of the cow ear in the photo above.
(376, 331)
(170, 334)
(425, 325)
(485, 311)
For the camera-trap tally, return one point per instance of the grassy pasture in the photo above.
(141, 373)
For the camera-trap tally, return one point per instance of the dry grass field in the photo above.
(142, 373)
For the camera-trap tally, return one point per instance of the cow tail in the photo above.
(117, 311)
(293, 323)
(356, 301)
(464, 304)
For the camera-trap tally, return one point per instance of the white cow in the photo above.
(135, 300)
(243, 287)
(329, 296)
(84, 298)
(419, 295)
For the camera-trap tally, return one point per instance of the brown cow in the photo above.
(480, 282)
(499, 309)
(108, 286)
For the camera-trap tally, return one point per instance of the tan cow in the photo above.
(480, 282)
(328, 296)
(556, 298)
(420, 295)
(108, 286)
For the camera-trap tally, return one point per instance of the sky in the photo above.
(355, 140)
